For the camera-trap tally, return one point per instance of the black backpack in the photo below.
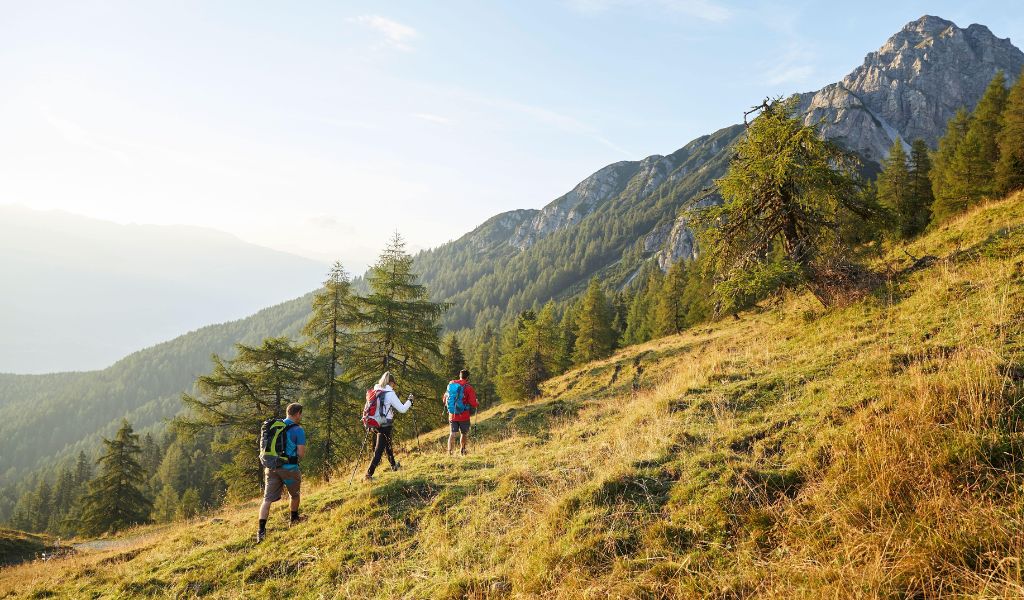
(272, 444)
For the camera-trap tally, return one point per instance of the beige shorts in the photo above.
(276, 479)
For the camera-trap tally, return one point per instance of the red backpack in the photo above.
(374, 411)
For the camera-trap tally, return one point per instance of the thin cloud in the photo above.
(433, 118)
(397, 35)
(701, 9)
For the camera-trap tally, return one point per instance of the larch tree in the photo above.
(948, 200)
(785, 195)
(235, 398)
(894, 187)
(670, 312)
(919, 209)
(1010, 168)
(595, 338)
(330, 331)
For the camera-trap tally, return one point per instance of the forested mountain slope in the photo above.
(865, 451)
(47, 418)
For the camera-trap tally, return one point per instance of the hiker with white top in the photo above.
(379, 417)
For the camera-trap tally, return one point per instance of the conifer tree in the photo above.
(567, 338)
(115, 499)
(595, 338)
(919, 212)
(522, 366)
(42, 506)
(190, 504)
(236, 396)
(330, 332)
(83, 469)
(970, 175)
(641, 319)
(670, 312)
(1010, 168)
(399, 326)
(546, 339)
(947, 201)
(785, 195)
(894, 187)
(165, 507)
(453, 359)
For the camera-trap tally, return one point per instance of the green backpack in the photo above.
(273, 440)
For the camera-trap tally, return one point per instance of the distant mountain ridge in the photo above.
(81, 293)
(622, 217)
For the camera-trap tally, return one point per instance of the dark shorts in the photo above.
(460, 427)
(276, 479)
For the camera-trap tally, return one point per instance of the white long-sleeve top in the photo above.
(392, 402)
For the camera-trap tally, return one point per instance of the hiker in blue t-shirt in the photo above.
(287, 476)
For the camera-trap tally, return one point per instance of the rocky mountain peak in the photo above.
(912, 85)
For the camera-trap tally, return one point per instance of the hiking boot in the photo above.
(396, 466)
(297, 520)
(260, 536)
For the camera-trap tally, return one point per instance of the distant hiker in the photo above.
(460, 402)
(282, 444)
(379, 417)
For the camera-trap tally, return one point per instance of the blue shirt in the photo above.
(296, 436)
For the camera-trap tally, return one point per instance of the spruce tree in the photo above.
(42, 506)
(83, 469)
(670, 312)
(453, 359)
(1010, 168)
(595, 338)
(115, 499)
(919, 212)
(894, 187)
(399, 326)
(330, 333)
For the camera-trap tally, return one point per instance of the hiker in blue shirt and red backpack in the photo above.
(460, 402)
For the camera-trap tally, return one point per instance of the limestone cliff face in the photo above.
(571, 208)
(912, 85)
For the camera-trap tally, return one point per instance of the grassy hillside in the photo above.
(868, 451)
(17, 546)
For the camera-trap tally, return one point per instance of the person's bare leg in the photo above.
(451, 442)
(295, 503)
(463, 440)
(265, 508)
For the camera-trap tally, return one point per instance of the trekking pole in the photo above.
(359, 457)
(415, 424)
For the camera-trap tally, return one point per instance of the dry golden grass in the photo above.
(872, 451)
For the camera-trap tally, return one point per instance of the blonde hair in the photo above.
(386, 379)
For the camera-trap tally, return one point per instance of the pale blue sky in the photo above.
(319, 127)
